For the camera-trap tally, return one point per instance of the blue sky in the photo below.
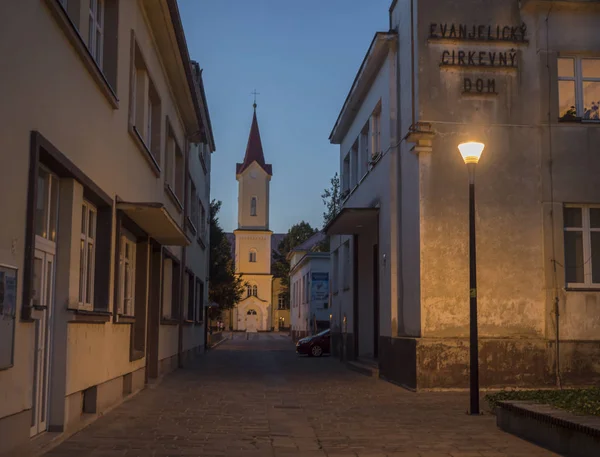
(301, 56)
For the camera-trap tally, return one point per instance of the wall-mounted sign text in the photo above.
(469, 59)
(502, 59)
(465, 32)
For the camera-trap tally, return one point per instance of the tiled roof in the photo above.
(254, 151)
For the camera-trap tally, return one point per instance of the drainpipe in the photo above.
(551, 171)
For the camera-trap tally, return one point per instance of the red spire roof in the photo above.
(254, 151)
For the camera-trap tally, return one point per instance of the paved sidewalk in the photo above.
(256, 398)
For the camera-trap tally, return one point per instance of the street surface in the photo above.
(256, 398)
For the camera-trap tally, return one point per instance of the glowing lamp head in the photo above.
(471, 151)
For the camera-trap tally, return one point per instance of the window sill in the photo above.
(136, 355)
(90, 317)
(82, 50)
(579, 120)
(189, 224)
(201, 243)
(141, 144)
(169, 321)
(188, 322)
(121, 319)
(583, 289)
(173, 197)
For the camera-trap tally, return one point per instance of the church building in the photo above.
(253, 242)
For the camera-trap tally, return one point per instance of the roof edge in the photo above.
(357, 79)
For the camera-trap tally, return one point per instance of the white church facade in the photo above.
(253, 241)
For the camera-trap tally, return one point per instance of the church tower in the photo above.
(253, 237)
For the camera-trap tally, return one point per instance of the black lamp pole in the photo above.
(474, 350)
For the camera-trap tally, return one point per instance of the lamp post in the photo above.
(471, 152)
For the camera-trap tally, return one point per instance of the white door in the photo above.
(43, 293)
(251, 320)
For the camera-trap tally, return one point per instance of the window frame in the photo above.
(84, 290)
(125, 309)
(253, 205)
(252, 255)
(578, 79)
(199, 301)
(375, 130)
(96, 18)
(586, 231)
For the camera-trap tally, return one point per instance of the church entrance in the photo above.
(251, 321)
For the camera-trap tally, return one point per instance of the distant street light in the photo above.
(471, 152)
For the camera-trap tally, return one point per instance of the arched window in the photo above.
(252, 257)
(255, 291)
(248, 290)
(253, 206)
(251, 312)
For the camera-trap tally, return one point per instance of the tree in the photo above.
(331, 200)
(295, 236)
(226, 288)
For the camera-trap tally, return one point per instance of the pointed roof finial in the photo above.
(255, 94)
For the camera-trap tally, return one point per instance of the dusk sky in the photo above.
(302, 58)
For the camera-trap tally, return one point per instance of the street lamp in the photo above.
(471, 152)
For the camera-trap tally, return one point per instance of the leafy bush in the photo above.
(578, 401)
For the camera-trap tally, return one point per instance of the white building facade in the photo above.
(523, 77)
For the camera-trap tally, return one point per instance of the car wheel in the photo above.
(316, 351)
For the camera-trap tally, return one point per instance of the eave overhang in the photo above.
(362, 83)
(154, 219)
(167, 29)
(352, 221)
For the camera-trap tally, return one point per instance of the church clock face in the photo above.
(253, 174)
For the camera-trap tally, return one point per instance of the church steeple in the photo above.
(254, 150)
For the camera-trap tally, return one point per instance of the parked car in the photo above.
(315, 345)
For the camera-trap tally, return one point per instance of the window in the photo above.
(251, 312)
(364, 157)
(346, 271)
(145, 108)
(582, 245)
(376, 131)
(346, 173)
(252, 255)
(126, 303)
(253, 206)
(202, 221)
(354, 164)
(174, 177)
(191, 299)
(282, 302)
(179, 174)
(199, 300)
(171, 288)
(87, 255)
(335, 274)
(579, 88)
(96, 30)
(251, 290)
(46, 206)
(194, 207)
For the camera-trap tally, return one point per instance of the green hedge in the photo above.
(578, 401)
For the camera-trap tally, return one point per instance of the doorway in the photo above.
(251, 321)
(43, 295)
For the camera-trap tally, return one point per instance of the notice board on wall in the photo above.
(8, 310)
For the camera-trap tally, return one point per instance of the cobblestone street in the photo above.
(257, 398)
